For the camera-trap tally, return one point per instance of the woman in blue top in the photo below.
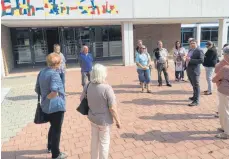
(50, 87)
(143, 63)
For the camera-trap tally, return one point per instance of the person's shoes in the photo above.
(207, 93)
(159, 85)
(145, 85)
(217, 115)
(61, 156)
(220, 130)
(222, 136)
(193, 104)
(176, 79)
(49, 151)
(191, 98)
(169, 85)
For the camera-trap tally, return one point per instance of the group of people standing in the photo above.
(145, 65)
(102, 104)
(190, 61)
(101, 99)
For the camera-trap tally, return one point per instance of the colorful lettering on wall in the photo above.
(24, 7)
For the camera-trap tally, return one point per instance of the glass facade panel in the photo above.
(209, 34)
(39, 45)
(31, 45)
(228, 35)
(21, 45)
(187, 33)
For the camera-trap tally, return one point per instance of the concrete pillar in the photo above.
(2, 66)
(198, 34)
(222, 35)
(127, 43)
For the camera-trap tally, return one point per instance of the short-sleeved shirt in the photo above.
(143, 59)
(62, 64)
(161, 55)
(49, 81)
(100, 98)
(224, 84)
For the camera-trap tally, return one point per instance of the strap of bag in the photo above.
(39, 90)
(87, 89)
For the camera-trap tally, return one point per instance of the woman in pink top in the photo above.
(222, 81)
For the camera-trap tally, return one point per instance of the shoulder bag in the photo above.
(83, 108)
(40, 116)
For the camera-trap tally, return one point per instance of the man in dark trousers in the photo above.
(194, 60)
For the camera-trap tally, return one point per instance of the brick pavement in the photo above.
(154, 126)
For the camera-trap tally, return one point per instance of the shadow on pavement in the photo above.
(38, 154)
(126, 91)
(186, 116)
(24, 97)
(153, 102)
(167, 92)
(171, 137)
(126, 86)
(73, 93)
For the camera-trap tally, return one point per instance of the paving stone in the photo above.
(157, 125)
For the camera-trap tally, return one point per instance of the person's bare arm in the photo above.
(114, 112)
(218, 77)
(52, 95)
(155, 63)
(112, 104)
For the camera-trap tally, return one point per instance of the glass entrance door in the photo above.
(70, 43)
(39, 43)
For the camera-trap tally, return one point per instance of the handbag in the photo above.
(40, 116)
(83, 108)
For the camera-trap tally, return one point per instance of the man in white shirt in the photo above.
(161, 63)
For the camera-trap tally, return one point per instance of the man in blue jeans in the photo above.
(86, 62)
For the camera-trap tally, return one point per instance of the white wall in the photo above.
(127, 9)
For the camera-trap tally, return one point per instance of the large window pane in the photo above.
(228, 35)
(115, 33)
(21, 45)
(115, 44)
(214, 35)
(40, 45)
(186, 33)
(205, 35)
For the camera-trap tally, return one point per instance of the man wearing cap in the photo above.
(194, 59)
(210, 60)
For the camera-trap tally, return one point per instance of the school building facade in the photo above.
(109, 27)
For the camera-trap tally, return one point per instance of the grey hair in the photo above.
(226, 50)
(99, 74)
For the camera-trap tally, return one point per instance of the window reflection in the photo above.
(186, 33)
(209, 33)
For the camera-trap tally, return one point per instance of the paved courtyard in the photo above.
(154, 126)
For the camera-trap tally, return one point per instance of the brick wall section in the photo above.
(151, 33)
(7, 51)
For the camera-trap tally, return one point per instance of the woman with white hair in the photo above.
(222, 81)
(102, 110)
